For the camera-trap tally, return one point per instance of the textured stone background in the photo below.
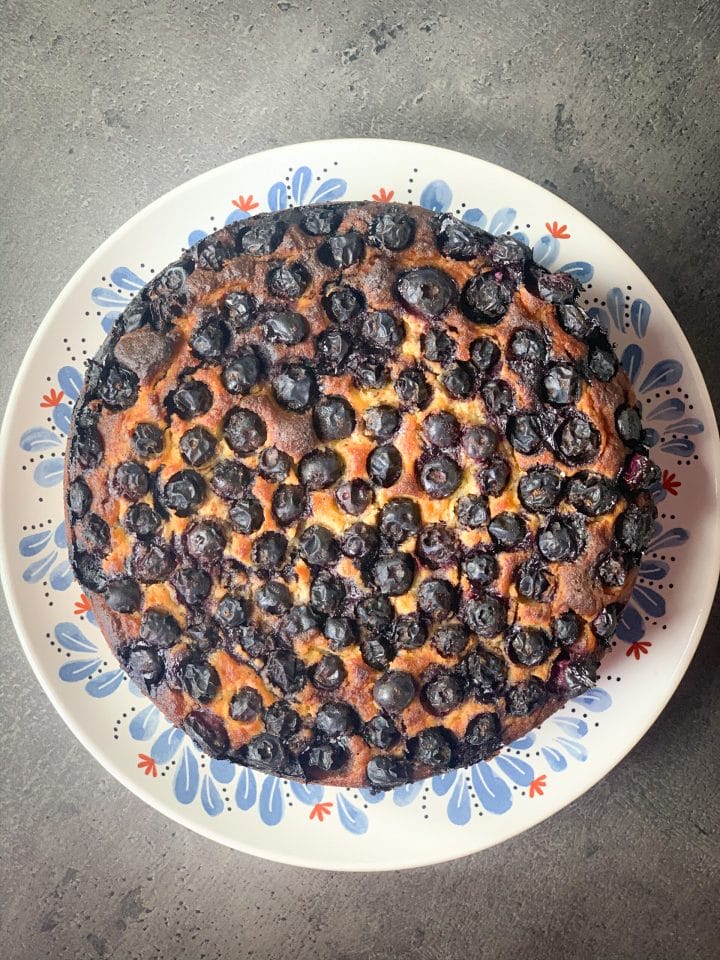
(612, 104)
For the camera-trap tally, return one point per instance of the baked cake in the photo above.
(357, 492)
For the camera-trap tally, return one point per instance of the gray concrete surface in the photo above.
(106, 106)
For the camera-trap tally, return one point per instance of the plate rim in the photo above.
(602, 766)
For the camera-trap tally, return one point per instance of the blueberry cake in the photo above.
(357, 492)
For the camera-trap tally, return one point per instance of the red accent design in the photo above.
(637, 648)
(383, 195)
(52, 399)
(670, 483)
(82, 605)
(147, 764)
(558, 231)
(245, 203)
(320, 810)
(538, 785)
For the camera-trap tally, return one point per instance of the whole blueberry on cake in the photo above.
(357, 492)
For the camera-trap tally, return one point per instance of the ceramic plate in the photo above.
(459, 812)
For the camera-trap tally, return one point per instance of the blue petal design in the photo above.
(210, 797)
(144, 724)
(669, 409)
(166, 745)
(436, 196)
(502, 220)
(60, 537)
(48, 473)
(492, 791)
(404, 795)
(104, 297)
(246, 793)
(442, 783)
(556, 760)
(545, 250)
(187, 779)
(458, 808)
(351, 817)
(522, 237)
(61, 416)
(600, 317)
(596, 700)
(38, 439)
(654, 569)
(277, 196)
(271, 801)
(37, 570)
(76, 670)
(640, 316)
(329, 190)
(34, 543)
(652, 437)
(680, 447)
(572, 726)
(580, 269)
(126, 278)
(631, 627)
(616, 307)
(649, 600)
(195, 237)
(131, 688)
(300, 183)
(236, 215)
(675, 537)
(370, 797)
(690, 427)
(309, 793)
(61, 576)
(104, 684)
(632, 360)
(223, 770)
(524, 743)
(109, 319)
(575, 749)
(476, 217)
(70, 637)
(665, 373)
(515, 769)
(71, 382)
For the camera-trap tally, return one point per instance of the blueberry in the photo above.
(557, 287)
(340, 632)
(205, 540)
(360, 542)
(591, 494)
(336, 720)
(376, 652)
(329, 672)
(629, 425)
(443, 693)
(432, 748)
(384, 465)
(300, 621)
(399, 519)
(566, 628)
(342, 303)
(381, 422)
(533, 582)
(284, 327)
(96, 533)
(485, 673)
(528, 646)
(147, 440)
(281, 720)
(459, 240)
(153, 561)
(412, 388)
(374, 613)
(634, 528)
(135, 315)
(288, 280)
(526, 345)
(263, 237)
(577, 440)
(437, 598)
(333, 418)
(558, 541)
(485, 616)
(437, 346)
(243, 372)
(450, 640)
(131, 480)
(387, 772)
(482, 737)
(382, 330)
(208, 731)
(144, 665)
(320, 221)
(244, 431)
(479, 443)
(89, 571)
(246, 705)
(506, 250)
(285, 671)
(209, 339)
(192, 584)
(370, 374)
(119, 388)
(342, 250)
(426, 290)
(472, 511)
(79, 498)
(484, 299)
(540, 489)
(327, 594)
(295, 387)
(605, 623)
(184, 492)
(484, 355)
(320, 469)
(394, 691)
(269, 550)
(408, 632)
(253, 642)
(159, 628)
(493, 477)
(230, 479)
(323, 758)
(640, 473)
(392, 229)
(522, 698)
(440, 476)
(240, 310)
(233, 611)
(354, 496)
(123, 595)
(191, 399)
(265, 752)
(437, 546)
(288, 503)
(394, 573)
(507, 530)
(611, 569)
(333, 348)
(571, 679)
(575, 321)
(200, 681)
(274, 598)
(459, 380)
(197, 446)
(498, 398)
(274, 465)
(524, 433)
(561, 384)
(317, 546)
(142, 520)
(381, 732)
(480, 567)
(602, 363)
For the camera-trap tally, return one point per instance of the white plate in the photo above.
(460, 812)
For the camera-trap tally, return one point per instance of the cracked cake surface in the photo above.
(357, 492)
